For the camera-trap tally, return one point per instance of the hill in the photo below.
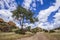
(7, 26)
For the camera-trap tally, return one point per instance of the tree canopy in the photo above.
(22, 14)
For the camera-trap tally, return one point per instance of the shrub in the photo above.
(5, 29)
(35, 30)
(28, 28)
(7, 26)
(20, 31)
(50, 31)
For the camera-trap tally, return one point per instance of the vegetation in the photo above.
(7, 33)
(28, 28)
(35, 30)
(22, 14)
(53, 36)
(12, 36)
(6, 26)
(20, 31)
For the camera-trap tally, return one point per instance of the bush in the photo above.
(35, 30)
(20, 31)
(50, 31)
(28, 28)
(5, 29)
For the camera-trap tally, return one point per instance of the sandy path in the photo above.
(38, 36)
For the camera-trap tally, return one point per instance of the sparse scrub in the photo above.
(20, 31)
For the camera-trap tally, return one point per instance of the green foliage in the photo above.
(57, 28)
(50, 31)
(20, 31)
(24, 14)
(34, 30)
(28, 28)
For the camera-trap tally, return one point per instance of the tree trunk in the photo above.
(22, 23)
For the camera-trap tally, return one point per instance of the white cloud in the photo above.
(1, 4)
(41, 2)
(57, 19)
(26, 4)
(43, 16)
(46, 26)
(34, 4)
(6, 15)
(10, 4)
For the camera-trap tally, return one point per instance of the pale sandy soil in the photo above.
(38, 36)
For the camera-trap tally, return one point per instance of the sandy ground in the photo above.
(38, 36)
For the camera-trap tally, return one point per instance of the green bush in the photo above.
(50, 31)
(20, 31)
(35, 30)
(28, 28)
(5, 29)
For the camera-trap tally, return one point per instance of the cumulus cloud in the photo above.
(10, 4)
(26, 4)
(41, 1)
(43, 16)
(57, 19)
(6, 14)
(34, 4)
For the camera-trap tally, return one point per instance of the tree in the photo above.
(22, 14)
(28, 28)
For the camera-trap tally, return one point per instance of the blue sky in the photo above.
(47, 12)
(46, 4)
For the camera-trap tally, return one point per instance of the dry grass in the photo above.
(12, 36)
(53, 36)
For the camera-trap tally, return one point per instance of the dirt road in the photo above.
(38, 36)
